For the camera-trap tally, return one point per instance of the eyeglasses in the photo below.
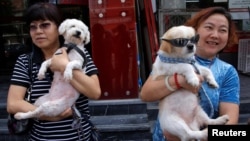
(181, 42)
(42, 26)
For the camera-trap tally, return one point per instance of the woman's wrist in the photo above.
(171, 81)
(167, 84)
(176, 81)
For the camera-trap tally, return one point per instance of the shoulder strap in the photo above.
(30, 63)
(30, 56)
(73, 46)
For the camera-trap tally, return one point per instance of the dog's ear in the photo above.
(166, 47)
(63, 26)
(87, 37)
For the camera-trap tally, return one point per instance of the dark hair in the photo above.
(43, 11)
(202, 15)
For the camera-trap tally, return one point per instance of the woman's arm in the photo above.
(87, 85)
(232, 110)
(153, 90)
(15, 100)
(16, 103)
(230, 96)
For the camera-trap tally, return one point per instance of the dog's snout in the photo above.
(78, 33)
(190, 46)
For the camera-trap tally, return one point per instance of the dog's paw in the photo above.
(221, 120)
(204, 133)
(213, 84)
(68, 75)
(19, 115)
(211, 81)
(41, 75)
(194, 81)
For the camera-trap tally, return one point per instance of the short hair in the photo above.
(43, 11)
(202, 15)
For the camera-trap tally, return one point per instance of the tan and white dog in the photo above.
(61, 95)
(180, 113)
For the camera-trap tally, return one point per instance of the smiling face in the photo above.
(213, 33)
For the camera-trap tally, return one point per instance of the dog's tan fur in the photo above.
(179, 112)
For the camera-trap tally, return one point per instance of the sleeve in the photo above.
(91, 68)
(230, 88)
(20, 72)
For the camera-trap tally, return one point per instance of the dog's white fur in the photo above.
(61, 95)
(179, 112)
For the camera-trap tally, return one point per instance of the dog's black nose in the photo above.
(78, 33)
(190, 46)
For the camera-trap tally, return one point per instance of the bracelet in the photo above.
(167, 84)
(176, 81)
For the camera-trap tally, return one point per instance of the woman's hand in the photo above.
(59, 61)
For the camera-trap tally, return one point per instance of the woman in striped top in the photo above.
(43, 20)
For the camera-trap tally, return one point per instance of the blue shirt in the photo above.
(229, 87)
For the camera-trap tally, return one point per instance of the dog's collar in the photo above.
(190, 60)
(71, 46)
(165, 59)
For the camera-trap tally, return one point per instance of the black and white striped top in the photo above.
(46, 130)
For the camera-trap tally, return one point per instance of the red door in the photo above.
(114, 47)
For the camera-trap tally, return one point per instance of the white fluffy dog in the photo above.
(179, 112)
(62, 95)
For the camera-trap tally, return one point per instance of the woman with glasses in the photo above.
(217, 32)
(43, 20)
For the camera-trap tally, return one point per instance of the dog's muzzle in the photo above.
(77, 35)
(190, 47)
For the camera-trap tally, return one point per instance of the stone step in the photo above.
(3, 110)
(121, 119)
(12, 138)
(127, 136)
(244, 118)
(4, 128)
(152, 110)
(118, 123)
(117, 107)
(126, 127)
(244, 106)
(117, 120)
